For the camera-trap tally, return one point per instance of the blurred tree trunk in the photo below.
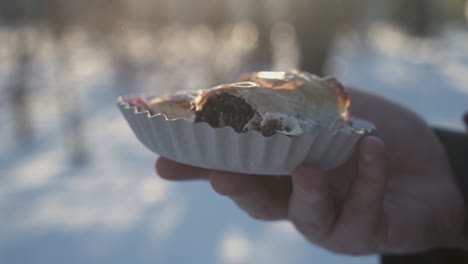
(69, 106)
(316, 23)
(20, 15)
(218, 13)
(113, 29)
(59, 18)
(263, 54)
(19, 89)
(414, 16)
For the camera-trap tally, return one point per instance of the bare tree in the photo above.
(316, 23)
(414, 16)
(19, 89)
(19, 14)
(59, 16)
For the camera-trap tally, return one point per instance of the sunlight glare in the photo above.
(235, 247)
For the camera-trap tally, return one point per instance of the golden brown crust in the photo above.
(299, 95)
(344, 101)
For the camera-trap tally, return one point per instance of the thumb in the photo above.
(311, 207)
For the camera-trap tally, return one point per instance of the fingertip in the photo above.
(160, 166)
(219, 183)
(229, 184)
(371, 148)
(373, 142)
(171, 170)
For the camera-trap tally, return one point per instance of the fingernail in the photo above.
(367, 150)
(367, 157)
(366, 153)
(308, 181)
(313, 197)
(310, 196)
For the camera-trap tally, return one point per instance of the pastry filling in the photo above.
(226, 110)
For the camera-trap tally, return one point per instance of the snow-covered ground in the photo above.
(115, 210)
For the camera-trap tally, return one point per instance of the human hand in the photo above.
(397, 193)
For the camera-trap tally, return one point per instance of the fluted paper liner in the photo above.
(201, 145)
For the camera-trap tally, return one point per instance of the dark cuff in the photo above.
(456, 145)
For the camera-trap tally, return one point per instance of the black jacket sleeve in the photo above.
(456, 145)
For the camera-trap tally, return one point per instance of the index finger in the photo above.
(174, 171)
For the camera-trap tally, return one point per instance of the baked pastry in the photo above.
(267, 124)
(289, 103)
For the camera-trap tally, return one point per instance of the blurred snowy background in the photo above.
(75, 184)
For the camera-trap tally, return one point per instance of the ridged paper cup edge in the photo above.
(201, 145)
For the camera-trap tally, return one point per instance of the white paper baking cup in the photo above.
(201, 145)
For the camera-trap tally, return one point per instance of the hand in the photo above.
(397, 193)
